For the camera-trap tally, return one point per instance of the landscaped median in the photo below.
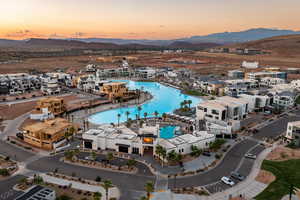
(71, 157)
(287, 173)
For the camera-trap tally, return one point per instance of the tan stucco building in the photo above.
(49, 134)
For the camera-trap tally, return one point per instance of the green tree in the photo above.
(164, 116)
(107, 184)
(109, 156)
(93, 155)
(97, 196)
(195, 151)
(149, 187)
(131, 163)
(98, 179)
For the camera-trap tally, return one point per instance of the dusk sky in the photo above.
(152, 19)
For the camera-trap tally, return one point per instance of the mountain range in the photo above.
(220, 38)
(194, 42)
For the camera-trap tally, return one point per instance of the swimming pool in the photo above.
(165, 100)
(167, 132)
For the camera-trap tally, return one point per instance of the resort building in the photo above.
(293, 132)
(114, 90)
(125, 140)
(182, 144)
(48, 108)
(49, 134)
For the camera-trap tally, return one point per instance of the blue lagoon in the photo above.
(165, 100)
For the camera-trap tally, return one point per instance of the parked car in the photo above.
(251, 156)
(237, 176)
(227, 181)
(206, 153)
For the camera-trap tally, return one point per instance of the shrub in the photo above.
(4, 172)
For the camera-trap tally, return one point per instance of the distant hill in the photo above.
(219, 38)
(193, 46)
(285, 46)
(194, 42)
(242, 36)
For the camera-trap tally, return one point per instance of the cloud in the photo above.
(162, 26)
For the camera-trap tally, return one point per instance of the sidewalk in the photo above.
(249, 188)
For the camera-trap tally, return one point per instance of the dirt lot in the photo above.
(283, 153)
(208, 63)
(265, 177)
(15, 110)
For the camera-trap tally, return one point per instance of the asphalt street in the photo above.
(227, 165)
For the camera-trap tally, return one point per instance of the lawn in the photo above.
(286, 172)
(298, 100)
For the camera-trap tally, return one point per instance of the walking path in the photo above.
(248, 188)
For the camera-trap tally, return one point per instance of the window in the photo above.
(205, 109)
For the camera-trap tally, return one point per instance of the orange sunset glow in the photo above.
(164, 19)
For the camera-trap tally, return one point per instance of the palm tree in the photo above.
(164, 116)
(181, 104)
(145, 115)
(158, 150)
(97, 196)
(109, 156)
(149, 187)
(189, 102)
(107, 184)
(139, 108)
(127, 113)
(119, 116)
(155, 114)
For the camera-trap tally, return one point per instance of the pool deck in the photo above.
(81, 115)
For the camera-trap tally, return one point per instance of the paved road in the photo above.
(228, 164)
(6, 191)
(128, 183)
(13, 152)
(276, 128)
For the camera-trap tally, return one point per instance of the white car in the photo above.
(227, 181)
(251, 156)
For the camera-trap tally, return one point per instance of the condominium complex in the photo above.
(49, 134)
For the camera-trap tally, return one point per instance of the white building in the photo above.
(284, 99)
(270, 81)
(123, 139)
(295, 84)
(293, 132)
(182, 144)
(42, 115)
(250, 65)
(223, 114)
(256, 102)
